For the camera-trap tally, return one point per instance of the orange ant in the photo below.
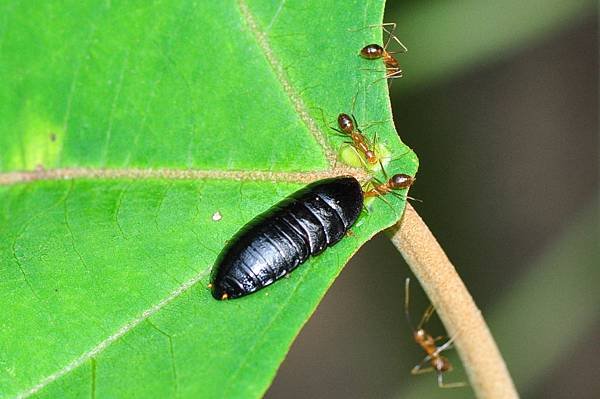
(349, 127)
(377, 188)
(396, 182)
(438, 363)
(375, 51)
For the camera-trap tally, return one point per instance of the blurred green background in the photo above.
(500, 102)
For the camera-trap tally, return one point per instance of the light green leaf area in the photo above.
(135, 140)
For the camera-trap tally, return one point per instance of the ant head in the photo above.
(372, 51)
(346, 123)
(400, 181)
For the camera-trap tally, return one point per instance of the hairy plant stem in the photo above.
(477, 349)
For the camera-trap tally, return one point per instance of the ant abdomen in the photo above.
(371, 157)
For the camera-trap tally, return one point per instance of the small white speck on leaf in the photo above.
(217, 216)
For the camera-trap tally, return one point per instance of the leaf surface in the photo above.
(136, 139)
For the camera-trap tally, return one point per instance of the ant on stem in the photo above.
(438, 363)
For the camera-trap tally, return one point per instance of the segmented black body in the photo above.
(282, 238)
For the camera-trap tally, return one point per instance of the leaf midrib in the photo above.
(10, 178)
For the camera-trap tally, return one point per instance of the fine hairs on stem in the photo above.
(474, 343)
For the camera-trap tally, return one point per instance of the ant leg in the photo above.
(390, 205)
(406, 302)
(405, 197)
(383, 154)
(379, 183)
(374, 191)
(388, 76)
(340, 132)
(358, 154)
(371, 124)
(440, 379)
(446, 346)
(387, 178)
(323, 116)
(392, 34)
(419, 369)
(373, 70)
(394, 75)
(383, 25)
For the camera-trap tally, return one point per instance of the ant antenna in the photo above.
(354, 102)
(426, 316)
(406, 302)
(391, 34)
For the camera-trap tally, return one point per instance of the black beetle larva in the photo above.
(279, 240)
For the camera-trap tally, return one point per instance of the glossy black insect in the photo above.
(279, 240)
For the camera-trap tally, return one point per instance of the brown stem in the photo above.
(477, 349)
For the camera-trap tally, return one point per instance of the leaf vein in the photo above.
(262, 337)
(20, 266)
(73, 86)
(70, 230)
(113, 107)
(290, 91)
(118, 205)
(100, 347)
(171, 353)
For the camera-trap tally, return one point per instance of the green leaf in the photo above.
(126, 131)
